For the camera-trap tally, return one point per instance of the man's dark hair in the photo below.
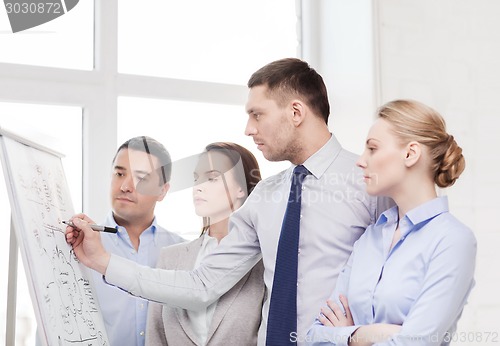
(292, 77)
(151, 146)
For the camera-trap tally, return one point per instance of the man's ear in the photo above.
(163, 191)
(413, 153)
(299, 112)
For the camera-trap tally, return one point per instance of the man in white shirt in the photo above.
(288, 113)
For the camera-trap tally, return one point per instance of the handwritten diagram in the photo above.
(60, 287)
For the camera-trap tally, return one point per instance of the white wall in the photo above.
(340, 46)
(446, 54)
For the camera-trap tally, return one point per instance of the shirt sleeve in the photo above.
(320, 335)
(236, 254)
(447, 284)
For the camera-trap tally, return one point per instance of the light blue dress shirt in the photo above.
(422, 283)
(335, 211)
(125, 315)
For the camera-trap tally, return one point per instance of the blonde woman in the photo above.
(410, 273)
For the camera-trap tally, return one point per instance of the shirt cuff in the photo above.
(121, 272)
(323, 335)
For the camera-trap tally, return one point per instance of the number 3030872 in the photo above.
(27, 7)
(476, 337)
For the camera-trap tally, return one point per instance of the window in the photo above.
(218, 41)
(65, 42)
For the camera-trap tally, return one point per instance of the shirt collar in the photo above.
(428, 210)
(319, 162)
(388, 216)
(416, 216)
(207, 238)
(122, 232)
(208, 243)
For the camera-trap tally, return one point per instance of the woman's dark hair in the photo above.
(250, 175)
(247, 174)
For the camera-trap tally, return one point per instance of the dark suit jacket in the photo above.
(237, 316)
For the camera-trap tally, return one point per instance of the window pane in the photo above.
(44, 125)
(65, 42)
(218, 41)
(185, 128)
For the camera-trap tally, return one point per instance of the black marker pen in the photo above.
(96, 228)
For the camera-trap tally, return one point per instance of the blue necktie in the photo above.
(282, 319)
